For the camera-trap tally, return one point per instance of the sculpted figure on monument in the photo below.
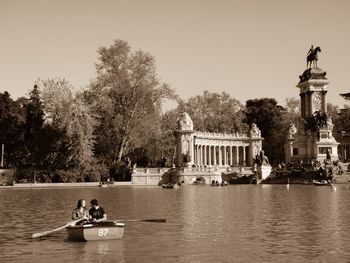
(254, 131)
(186, 157)
(292, 131)
(312, 56)
(261, 159)
(318, 120)
(185, 122)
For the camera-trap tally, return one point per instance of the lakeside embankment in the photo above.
(58, 185)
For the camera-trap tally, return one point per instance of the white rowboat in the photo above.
(104, 230)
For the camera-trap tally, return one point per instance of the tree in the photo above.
(33, 128)
(215, 112)
(70, 117)
(292, 105)
(126, 94)
(268, 116)
(12, 129)
(346, 95)
(80, 128)
(332, 111)
(341, 122)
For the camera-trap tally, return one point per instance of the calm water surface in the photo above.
(237, 223)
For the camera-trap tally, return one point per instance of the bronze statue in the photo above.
(312, 56)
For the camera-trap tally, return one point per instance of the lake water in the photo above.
(236, 223)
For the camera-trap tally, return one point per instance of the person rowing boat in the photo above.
(96, 213)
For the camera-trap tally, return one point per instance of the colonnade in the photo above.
(220, 155)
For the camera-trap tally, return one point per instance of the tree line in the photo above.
(59, 134)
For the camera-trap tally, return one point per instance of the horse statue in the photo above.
(312, 57)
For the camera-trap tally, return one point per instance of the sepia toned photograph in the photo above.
(174, 131)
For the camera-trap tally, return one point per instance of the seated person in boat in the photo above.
(96, 212)
(81, 212)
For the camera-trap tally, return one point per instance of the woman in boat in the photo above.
(81, 211)
(96, 213)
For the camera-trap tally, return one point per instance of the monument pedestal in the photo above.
(316, 141)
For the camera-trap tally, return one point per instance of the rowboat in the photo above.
(170, 186)
(104, 230)
(322, 182)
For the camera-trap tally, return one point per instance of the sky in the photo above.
(248, 49)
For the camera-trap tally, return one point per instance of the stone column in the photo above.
(307, 104)
(194, 154)
(324, 104)
(205, 154)
(231, 148)
(209, 155)
(244, 157)
(237, 155)
(220, 156)
(224, 155)
(311, 104)
(214, 152)
(227, 160)
(302, 104)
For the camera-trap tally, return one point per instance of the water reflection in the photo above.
(243, 223)
(103, 251)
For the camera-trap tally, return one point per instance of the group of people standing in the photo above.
(94, 214)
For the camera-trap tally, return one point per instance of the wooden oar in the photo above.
(154, 220)
(41, 234)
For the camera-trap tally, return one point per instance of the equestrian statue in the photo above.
(312, 56)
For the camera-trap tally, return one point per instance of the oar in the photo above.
(155, 220)
(41, 234)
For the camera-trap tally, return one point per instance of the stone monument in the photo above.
(315, 141)
(185, 139)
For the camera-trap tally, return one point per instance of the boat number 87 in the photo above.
(102, 232)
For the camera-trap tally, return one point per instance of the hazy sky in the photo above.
(249, 49)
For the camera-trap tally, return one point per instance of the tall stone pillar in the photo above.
(244, 155)
(324, 103)
(215, 160)
(255, 144)
(185, 141)
(210, 161)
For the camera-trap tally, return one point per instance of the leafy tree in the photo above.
(346, 95)
(33, 128)
(126, 94)
(215, 112)
(292, 114)
(341, 122)
(57, 96)
(292, 105)
(81, 124)
(332, 111)
(160, 148)
(70, 118)
(12, 129)
(268, 116)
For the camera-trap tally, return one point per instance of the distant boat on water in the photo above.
(322, 183)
